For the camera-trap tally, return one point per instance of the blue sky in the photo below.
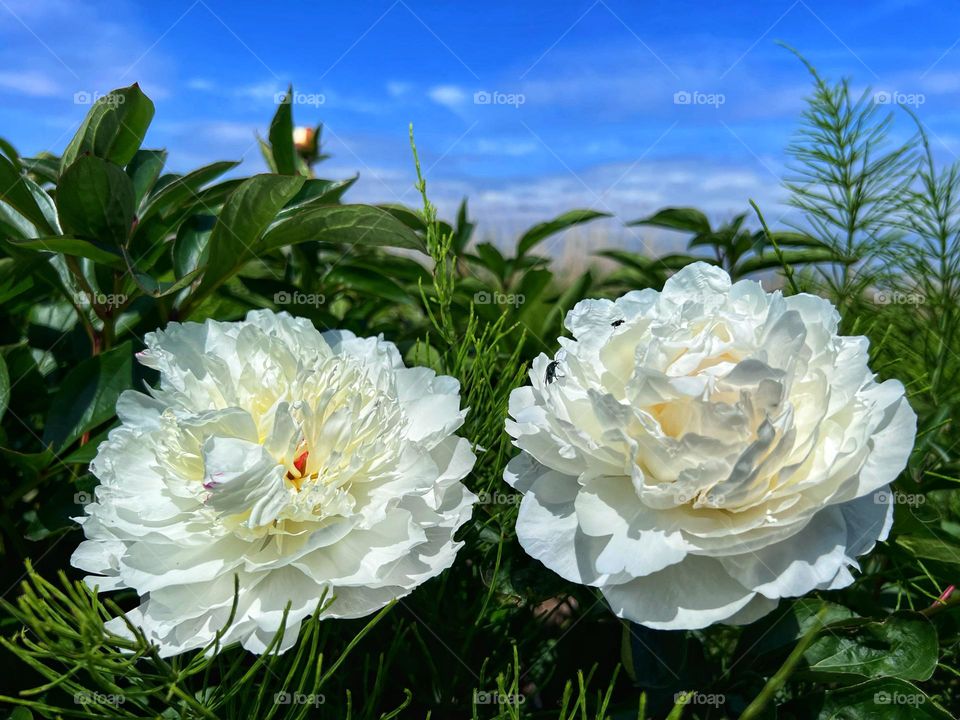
(583, 107)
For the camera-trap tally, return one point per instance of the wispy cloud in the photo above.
(32, 83)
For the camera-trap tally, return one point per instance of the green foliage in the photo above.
(100, 246)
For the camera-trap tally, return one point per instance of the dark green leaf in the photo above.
(245, 215)
(904, 645)
(881, 699)
(4, 387)
(346, 224)
(182, 189)
(88, 395)
(113, 129)
(539, 233)
(75, 247)
(14, 189)
(930, 548)
(281, 137)
(687, 219)
(368, 282)
(95, 199)
(190, 249)
(144, 169)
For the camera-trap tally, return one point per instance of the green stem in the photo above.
(779, 678)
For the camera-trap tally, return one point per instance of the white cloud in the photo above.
(200, 84)
(396, 89)
(32, 83)
(450, 96)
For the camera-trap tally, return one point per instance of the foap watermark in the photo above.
(300, 98)
(498, 498)
(83, 498)
(882, 497)
(485, 97)
(686, 97)
(299, 298)
(895, 97)
(482, 697)
(85, 97)
(99, 299)
(299, 698)
(896, 297)
(482, 297)
(695, 697)
(884, 697)
(99, 698)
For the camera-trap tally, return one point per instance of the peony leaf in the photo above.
(180, 190)
(932, 548)
(880, 699)
(144, 169)
(95, 199)
(685, 219)
(88, 395)
(15, 190)
(75, 247)
(113, 129)
(4, 387)
(346, 224)
(539, 233)
(281, 137)
(903, 645)
(247, 212)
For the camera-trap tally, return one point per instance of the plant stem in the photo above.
(779, 678)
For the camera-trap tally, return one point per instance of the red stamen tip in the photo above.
(300, 462)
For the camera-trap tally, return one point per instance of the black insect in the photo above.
(616, 323)
(553, 369)
(551, 373)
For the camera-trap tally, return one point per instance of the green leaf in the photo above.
(931, 548)
(16, 276)
(144, 169)
(95, 200)
(347, 224)
(784, 627)
(539, 233)
(245, 215)
(686, 219)
(492, 259)
(88, 395)
(4, 387)
(10, 152)
(904, 645)
(190, 249)
(316, 192)
(75, 247)
(181, 189)
(368, 282)
(281, 137)
(769, 261)
(15, 190)
(881, 699)
(113, 129)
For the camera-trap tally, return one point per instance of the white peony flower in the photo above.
(298, 461)
(699, 453)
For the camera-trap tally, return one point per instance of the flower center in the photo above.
(296, 476)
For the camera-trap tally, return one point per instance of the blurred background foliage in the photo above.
(100, 246)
